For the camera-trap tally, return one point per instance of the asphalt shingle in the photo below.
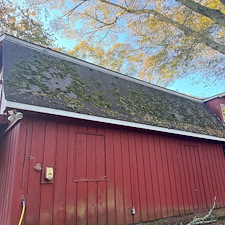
(38, 78)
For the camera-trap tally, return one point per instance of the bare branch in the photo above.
(216, 15)
(206, 218)
(73, 9)
(100, 21)
(187, 31)
(222, 1)
(115, 5)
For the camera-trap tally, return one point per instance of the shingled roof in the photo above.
(37, 76)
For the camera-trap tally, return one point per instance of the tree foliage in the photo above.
(22, 23)
(158, 40)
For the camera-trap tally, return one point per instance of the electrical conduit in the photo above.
(23, 210)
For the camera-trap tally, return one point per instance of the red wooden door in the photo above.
(78, 192)
(86, 185)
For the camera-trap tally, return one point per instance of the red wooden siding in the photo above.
(8, 146)
(214, 106)
(102, 173)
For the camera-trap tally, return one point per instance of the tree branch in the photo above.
(187, 31)
(73, 9)
(222, 1)
(102, 22)
(216, 15)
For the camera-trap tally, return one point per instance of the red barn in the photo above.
(81, 144)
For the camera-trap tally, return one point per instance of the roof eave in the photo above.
(214, 96)
(2, 37)
(57, 112)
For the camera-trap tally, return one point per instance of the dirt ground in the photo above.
(220, 222)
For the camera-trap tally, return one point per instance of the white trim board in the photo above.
(57, 112)
(221, 95)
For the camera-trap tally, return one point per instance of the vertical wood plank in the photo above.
(213, 173)
(71, 187)
(214, 164)
(92, 186)
(189, 201)
(81, 175)
(47, 190)
(141, 177)
(206, 175)
(9, 172)
(182, 177)
(3, 152)
(60, 175)
(192, 177)
(134, 178)
(33, 185)
(155, 181)
(198, 178)
(161, 179)
(176, 158)
(172, 177)
(148, 177)
(100, 157)
(81, 158)
(101, 174)
(163, 143)
(201, 177)
(210, 173)
(21, 165)
(118, 178)
(111, 203)
(127, 177)
(221, 158)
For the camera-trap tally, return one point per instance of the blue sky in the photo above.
(191, 85)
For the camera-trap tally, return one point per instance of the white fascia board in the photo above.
(94, 67)
(3, 101)
(214, 96)
(2, 37)
(57, 112)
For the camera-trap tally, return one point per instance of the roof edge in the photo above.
(214, 96)
(69, 114)
(93, 66)
(3, 36)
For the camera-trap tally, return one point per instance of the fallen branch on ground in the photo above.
(206, 219)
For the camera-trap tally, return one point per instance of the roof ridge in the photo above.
(94, 66)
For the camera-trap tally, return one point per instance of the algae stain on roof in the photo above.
(56, 83)
(53, 79)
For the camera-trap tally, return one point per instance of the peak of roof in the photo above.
(102, 69)
(38, 76)
(92, 66)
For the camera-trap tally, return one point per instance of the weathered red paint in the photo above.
(3, 118)
(8, 157)
(101, 173)
(215, 106)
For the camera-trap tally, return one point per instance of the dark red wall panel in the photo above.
(8, 157)
(215, 106)
(101, 174)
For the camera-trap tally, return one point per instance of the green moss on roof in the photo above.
(52, 82)
(53, 79)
